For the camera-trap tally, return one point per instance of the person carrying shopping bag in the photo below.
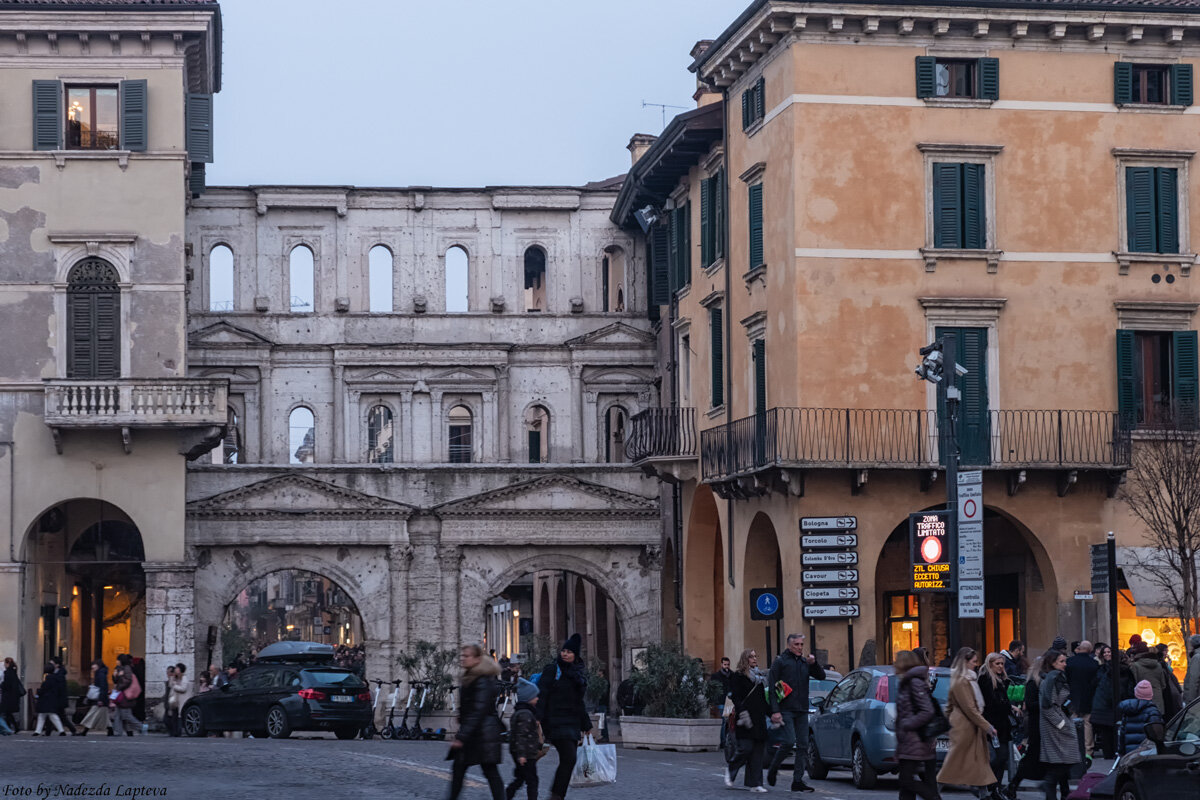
(997, 710)
(969, 761)
(748, 685)
(1060, 742)
(97, 695)
(561, 688)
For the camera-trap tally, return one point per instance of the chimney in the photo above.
(704, 95)
(639, 143)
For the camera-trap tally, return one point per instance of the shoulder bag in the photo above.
(936, 726)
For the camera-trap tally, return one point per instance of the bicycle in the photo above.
(369, 730)
(389, 730)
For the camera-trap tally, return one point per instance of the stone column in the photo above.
(170, 622)
(450, 558)
(404, 452)
(423, 614)
(341, 430)
(589, 625)
(577, 427)
(504, 411)
(400, 558)
(10, 610)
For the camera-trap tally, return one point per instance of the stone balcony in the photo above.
(197, 408)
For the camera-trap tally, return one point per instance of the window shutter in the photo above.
(1168, 215)
(79, 322)
(134, 122)
(975, 428)
(716, 333)
(718, 193)
(1185, 368)
(199, 127)
(1139, 209)
(659, 268)
(706, 234)
(47, 115)
(760, 376)
(926, 82)
(196, 180)
(756, 226)
(685, 251)
(1181, 84)
(746, 109)
(760, 99)
(1126, 388)
(535, 447)
(947, 205)
(974, 207)
(673, 251)
(108, 361)
(989, 78)
(1122, 83)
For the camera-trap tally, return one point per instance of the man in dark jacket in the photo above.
(1081, 672)
(64, 699)
(1014, 658)
(791, 670)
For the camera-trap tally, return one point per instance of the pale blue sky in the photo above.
(467, 93)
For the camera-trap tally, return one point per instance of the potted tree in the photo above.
(434, 666)
(674, 698)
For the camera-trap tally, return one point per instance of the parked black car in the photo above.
(291, 687)
(1166, 767)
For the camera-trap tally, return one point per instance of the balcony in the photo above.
(662, 441)
(195, 407)
(785, 441)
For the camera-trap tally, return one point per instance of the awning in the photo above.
(1152, 597)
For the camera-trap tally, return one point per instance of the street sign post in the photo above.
(831, 612)
(835, 594)
(930, 551)
(843, 559)
(829, 576)
(765, 604)
(970, 545)
(811, 541)
(1100, 569)
(828, 523)
(834, 548)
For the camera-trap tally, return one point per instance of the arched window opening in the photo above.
(379, 280)
(614, 434)
(300, 276)
(535, 279)
(380, 435)
(457, 280)
(302, 437)
(93, 320)
(537, 433)
(459, 432)
(220, 279)
(612, 281)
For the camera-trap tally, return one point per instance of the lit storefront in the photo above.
(1144, 609)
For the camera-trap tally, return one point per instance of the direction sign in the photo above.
(970, 600)
(827, 612)
(828, 523)
(829, 576)
(824, 540)
(845, 559)
(765, 604)
(1100, 569)
(834, 593)
(1082, 595)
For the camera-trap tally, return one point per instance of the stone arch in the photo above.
(762, 568)
(704, 579)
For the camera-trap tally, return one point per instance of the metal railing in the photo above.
(661, 433)
(106, 403)
(899, 438)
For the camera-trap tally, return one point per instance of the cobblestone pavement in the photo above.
(302, 768)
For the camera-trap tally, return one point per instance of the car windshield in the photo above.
(941, 688)
(333, 677)
(818, 689)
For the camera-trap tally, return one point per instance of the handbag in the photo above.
(93, 693)
(743, 720)
(936, 726)
(135, 689)
(731, 743)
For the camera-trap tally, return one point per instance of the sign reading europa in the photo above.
(929, 543)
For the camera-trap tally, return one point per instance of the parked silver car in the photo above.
(855, 725)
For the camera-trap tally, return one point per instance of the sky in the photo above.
(438, 93)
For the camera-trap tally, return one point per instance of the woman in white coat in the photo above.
(181, 691)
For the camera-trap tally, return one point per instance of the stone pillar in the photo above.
(450, 558)
(400, 558)
(616, 659)
(577, 427)
(423, 614)
(504, 411)
(404, 452)
(170, 621)
(589, 625)
(341, 430)
(10, 610)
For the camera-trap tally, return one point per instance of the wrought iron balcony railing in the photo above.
(897, 438)
(662, 433)
(177, 402)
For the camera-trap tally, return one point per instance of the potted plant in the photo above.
(675, 698)
(433, 665)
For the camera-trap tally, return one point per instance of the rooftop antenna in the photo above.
(663, 107)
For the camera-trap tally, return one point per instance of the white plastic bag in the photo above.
(595, 764)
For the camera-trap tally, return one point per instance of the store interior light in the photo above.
(516, 612)
(908, 626)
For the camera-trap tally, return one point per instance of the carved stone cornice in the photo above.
(292, 496)
(592, 501)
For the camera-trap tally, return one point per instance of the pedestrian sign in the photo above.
(765, 604)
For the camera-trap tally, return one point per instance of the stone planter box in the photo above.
(660, 733)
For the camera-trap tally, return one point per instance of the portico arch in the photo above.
(704, 580)
(762, 568)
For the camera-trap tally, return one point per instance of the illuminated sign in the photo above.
(929, 544)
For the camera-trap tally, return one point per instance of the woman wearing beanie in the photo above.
(478, 737)
(968, 763)
(1136, 714)
(561, 688)
(1060, 743)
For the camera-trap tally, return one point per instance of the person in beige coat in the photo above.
(181, 691)
(969, 761)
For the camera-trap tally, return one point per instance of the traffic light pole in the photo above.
(949, 395)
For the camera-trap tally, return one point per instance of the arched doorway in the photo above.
(704, 580)
(763, 570)
(1020, 594)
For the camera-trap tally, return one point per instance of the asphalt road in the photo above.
(324, 768)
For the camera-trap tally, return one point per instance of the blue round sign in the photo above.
(767, 604)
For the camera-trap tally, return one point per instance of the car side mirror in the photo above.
(1156, 732)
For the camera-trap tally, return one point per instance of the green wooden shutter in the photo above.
(947, 205)
(706, 233)
(685, 250)
(79, 324)
(760, 99)
(760, 376)
(1185, 376)
(1127, 398)
(196, 180)
(673, 250)
(1181, 84)
(535, 447)
(1168, 216)
(719, 215)
(47, 115)
(1140, 209)
(1122, 83)
(659, 268)
(974, 207)
(200, 127)
(134, 121)
(926, 80)
(107, 342)
(756, 226)
(989, 78)
(746, 100)
(974, 422)
(716, 333)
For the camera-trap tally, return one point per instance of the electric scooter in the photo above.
(404, 732)
(369, 730)
(389, 730)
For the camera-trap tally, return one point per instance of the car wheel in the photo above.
(345, 733)
(193, 721)
(278, 726)
(1128, 791)
(817, 768)
(864, 774)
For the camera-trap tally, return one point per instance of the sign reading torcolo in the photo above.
(929, 542)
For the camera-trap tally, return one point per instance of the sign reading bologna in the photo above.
(928, 535)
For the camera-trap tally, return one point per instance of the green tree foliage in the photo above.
(672, 683)
(429, 663)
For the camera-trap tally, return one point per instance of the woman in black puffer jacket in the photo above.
(561, 688)
(478, 737)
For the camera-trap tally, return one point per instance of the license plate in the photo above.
(342, 698)
(943, 745)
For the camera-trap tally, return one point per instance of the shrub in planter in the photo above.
(432, 664)
(672, 684)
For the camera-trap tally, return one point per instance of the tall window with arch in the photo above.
(302, 444)
(93, 320)
(381, 435)
(457, 280)
(537, 434)
(459, 435)
(300, 280)
(612, 281)
(614, 434)
(220, 278)
(535, 279)
(379, 280)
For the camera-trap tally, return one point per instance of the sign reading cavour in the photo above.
(928, 533)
